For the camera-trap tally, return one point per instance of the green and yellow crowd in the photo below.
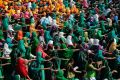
(59, 39)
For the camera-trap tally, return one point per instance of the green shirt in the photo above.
(1, 35)
(5, 23)
(90, 72)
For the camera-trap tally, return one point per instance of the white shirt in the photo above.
(96, 17)
(42, 19)
(6, 51)
(50, 20)
(10, 28)
(29, 5)
(54, 23)
(10, 35)
(72, 3)
(41, 39)
(69, 40)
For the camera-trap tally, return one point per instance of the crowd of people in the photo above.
(59, 40)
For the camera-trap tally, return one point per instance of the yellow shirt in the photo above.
(11, 11)
(112, 47)
(32, 28)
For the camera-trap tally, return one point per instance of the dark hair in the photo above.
(71, 60)
(31, 17)
(16, 21)
(90, 61)
(79, 41)
(47, 15)
(19, 54)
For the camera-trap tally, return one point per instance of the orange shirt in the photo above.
(20, 35)
(1, 2)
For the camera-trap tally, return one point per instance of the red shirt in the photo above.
(39, 49)
(21, 67)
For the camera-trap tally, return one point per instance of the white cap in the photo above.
(50, 42)
(96, 42)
